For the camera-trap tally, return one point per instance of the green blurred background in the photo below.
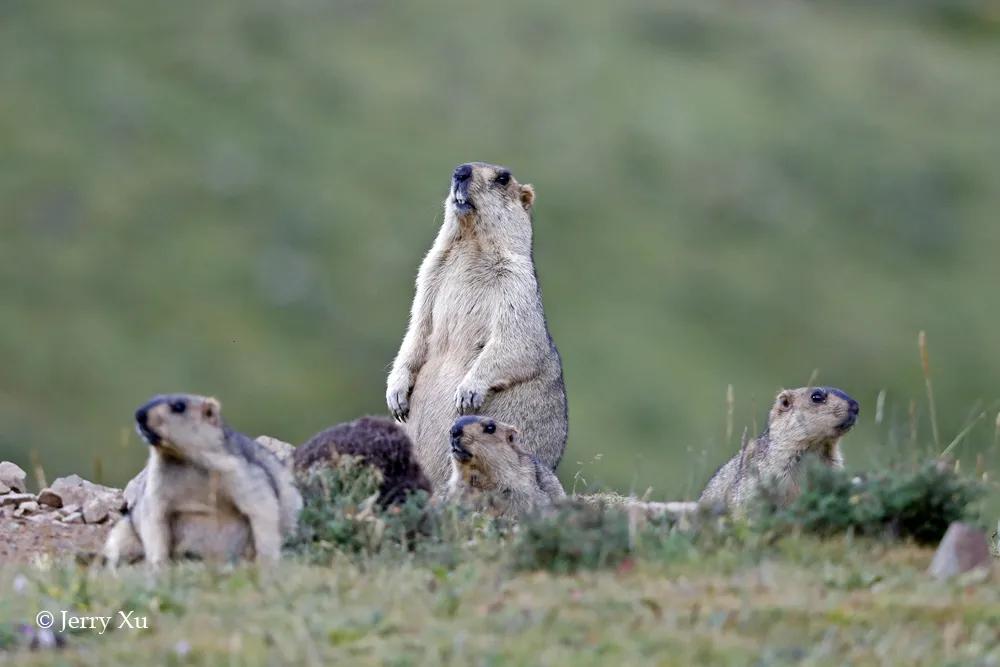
(233, 199)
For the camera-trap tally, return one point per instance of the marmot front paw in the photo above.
(398, 399)
(470, 397)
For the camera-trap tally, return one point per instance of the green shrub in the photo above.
(340, 513)
(916, 504)
(576, 535)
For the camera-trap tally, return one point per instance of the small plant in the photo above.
(916, 504)
(576, 535)
(341, 513)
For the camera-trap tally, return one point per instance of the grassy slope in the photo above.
(801, 602)
(233, 199)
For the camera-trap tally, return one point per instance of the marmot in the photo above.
(378, 442)
(490, 469)
(206, 491)
(478, 341)
(809, 420)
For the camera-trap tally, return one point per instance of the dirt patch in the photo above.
(22, 539)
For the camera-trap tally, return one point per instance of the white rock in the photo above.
(16, 498)
(12, 476)
(29, 507)
(75, 517)
(281, 450)
(66, 510)
(963, 548)
(74, 490)
(97, 510)
(4, 488)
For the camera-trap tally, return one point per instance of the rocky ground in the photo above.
(71, 515)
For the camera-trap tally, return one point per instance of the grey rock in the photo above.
(75, 517)
(28, 507)
(74, 490)
(69, 509)
(4, 488)
(16, 499)
(12, 476)
(963, 548)
(97, 510)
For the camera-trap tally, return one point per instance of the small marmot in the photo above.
(492, 471)
(478, 341)
(808, 420)
(207, 491)
(378, 442)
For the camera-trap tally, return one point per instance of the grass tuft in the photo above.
(916, 504)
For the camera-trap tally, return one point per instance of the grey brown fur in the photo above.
(491, 471)
(207, 491)
(809, 420)
(478, 341)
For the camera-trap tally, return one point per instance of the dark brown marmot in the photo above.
(378, 442)
(809, 420)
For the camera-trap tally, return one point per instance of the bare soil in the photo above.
(22, 539)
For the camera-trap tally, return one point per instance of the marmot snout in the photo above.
(478, 185)
(461, 442)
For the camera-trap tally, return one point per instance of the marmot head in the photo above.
(486, 193)
(480, 446)
(811, 416)
(180, 425)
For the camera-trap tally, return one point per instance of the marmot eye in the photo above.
(818, 396)
(489, 427)
(178, 407)
(503, 178)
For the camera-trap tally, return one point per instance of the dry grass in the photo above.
(800, 601)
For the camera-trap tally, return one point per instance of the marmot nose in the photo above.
(456, 431)
(462, 173)
(853, 407)
(142, 417)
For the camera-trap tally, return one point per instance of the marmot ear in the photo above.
(527, 196)
(784, 400)
(211, 411)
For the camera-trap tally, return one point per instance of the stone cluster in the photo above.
(69, 499)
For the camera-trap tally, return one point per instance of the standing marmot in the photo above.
(478, 341)
(207, 491)
(379, 443)
(809, 420)
(489, 468)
